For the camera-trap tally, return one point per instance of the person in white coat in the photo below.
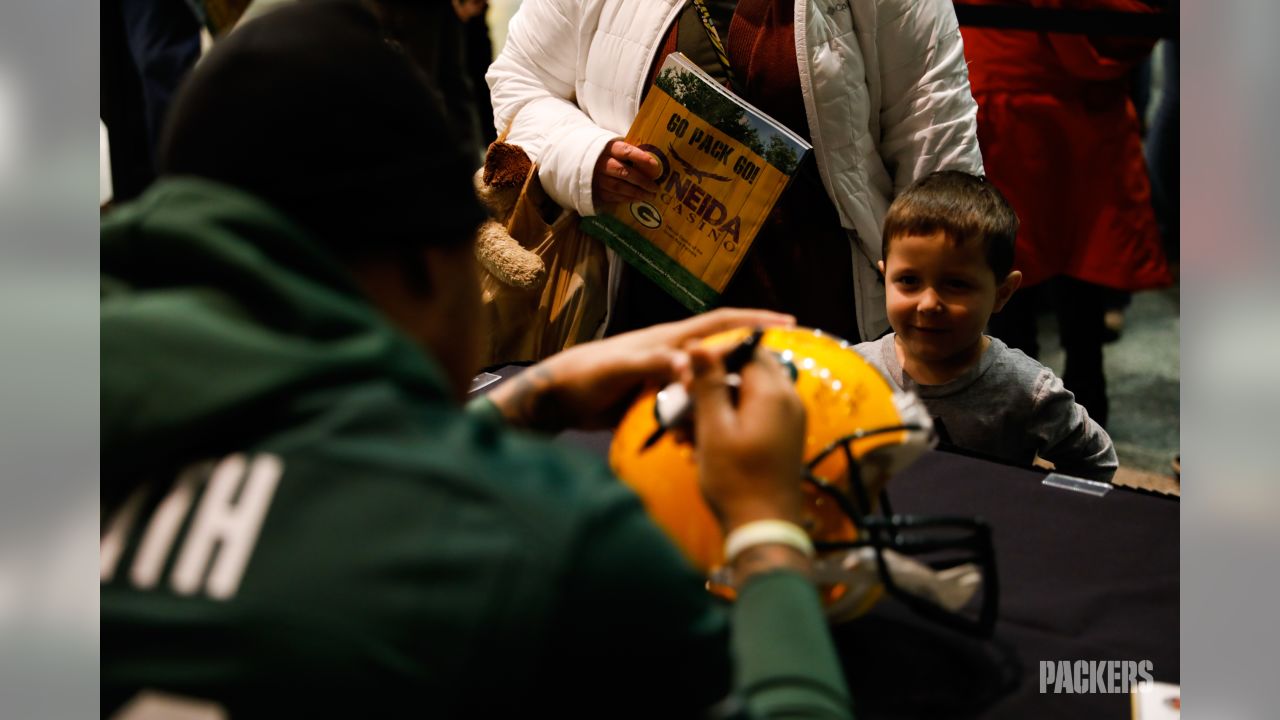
(879, 87)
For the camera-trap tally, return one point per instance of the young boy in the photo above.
(948, 259)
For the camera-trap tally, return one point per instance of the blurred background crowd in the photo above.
(1079, 128)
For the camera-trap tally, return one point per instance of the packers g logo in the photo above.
(646, 214)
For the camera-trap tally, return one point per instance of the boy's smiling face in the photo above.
(939, 296)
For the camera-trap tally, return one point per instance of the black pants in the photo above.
(1079, 307)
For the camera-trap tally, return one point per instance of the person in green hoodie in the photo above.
(300, 519)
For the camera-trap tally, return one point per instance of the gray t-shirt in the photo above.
(1008, 406)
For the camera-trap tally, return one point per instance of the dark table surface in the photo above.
(1082, 578)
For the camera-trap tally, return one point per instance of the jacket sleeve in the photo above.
(786, 662)
(928, 117)
(1067, 436)
(636, 612)
(533, 84)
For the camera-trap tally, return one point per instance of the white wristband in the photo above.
(766, 532)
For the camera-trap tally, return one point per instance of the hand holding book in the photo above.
(624, 173)
(721, 167)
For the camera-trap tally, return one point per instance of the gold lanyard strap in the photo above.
(707, 24)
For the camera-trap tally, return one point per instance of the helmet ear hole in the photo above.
(786, 358)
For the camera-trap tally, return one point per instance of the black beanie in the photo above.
(313, 110)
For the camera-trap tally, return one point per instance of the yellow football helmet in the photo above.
(859, 433)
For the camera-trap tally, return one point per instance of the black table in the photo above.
(1082, 578)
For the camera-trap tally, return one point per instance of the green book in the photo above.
(724, 166)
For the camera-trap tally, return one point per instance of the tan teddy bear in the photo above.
(498, 185)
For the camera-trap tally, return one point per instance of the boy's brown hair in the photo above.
(962, 206)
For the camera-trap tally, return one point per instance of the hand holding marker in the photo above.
(673, 405)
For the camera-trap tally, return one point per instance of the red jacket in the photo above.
(1060, 138)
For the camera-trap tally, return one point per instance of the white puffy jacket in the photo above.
(885, 87)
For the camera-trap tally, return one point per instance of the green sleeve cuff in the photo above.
(482, 408)
(786, 661)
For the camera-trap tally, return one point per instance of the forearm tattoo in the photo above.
(531, 402)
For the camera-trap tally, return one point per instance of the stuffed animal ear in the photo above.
(499, 182)
(507, 260)
(506, 165)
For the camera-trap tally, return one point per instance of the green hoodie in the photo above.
(298, 521)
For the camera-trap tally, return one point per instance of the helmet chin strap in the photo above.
(856, 569)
